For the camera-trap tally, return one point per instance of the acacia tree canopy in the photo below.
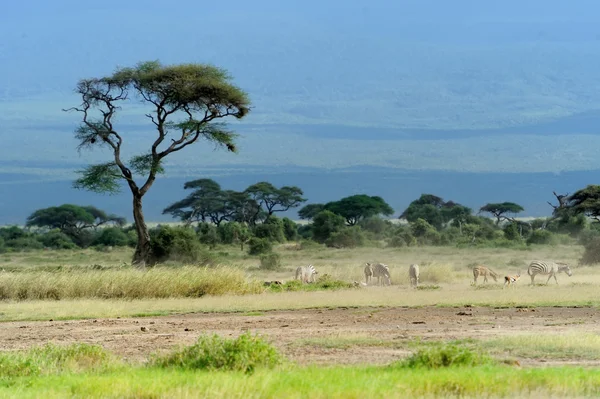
(275, 199)
(435, 211)
(72, 219)
(357, 207)
(185, 103)
(309, 211)
(585, 201)
(499, 210)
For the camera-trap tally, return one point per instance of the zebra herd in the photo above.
(306, 274)
(551, 269)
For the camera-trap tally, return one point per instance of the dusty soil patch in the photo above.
(136, 338)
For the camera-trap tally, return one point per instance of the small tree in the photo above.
(499, 210)
(72, 220)
(585, 201)
(185, 103)
(325, 224)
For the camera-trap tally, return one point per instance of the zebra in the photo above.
(484, 271)
(550, 268)
(368, 272)
(380, 270)
(413, 273)
(306, 273)
(511, 280)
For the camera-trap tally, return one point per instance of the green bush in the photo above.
(325, 224)
(272, 229)
(290, 229)
(179, 244)
(591, 254)
(349, 237)
(208, 234)
(24, 244)
(56, 240)
(258, 246)
(245, 353)
(541, 237)
(448, 355)
(113, 237)
(270, 261)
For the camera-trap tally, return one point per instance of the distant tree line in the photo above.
(212, 216)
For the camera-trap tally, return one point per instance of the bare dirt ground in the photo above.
(136, 338)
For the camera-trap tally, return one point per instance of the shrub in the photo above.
(112, 236)
(349, 237)
(541, 237)
(258, 246)
(272, 229)
(245, 353)
(176, 243)
(591, 254)
(445, 356)
(290, 229)
(24, 243)
(376, 225)
(208, 234)
(270, 261)
(325, 224)
(57, 240)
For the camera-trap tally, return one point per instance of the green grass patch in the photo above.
(323, 283)
(429, 287)
(245, 353)
(53, 359)
(315, 382)
(548, 346)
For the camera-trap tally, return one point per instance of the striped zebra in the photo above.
(484, 271)
(413, 274)
(368, 272)
(511, 280)
(380, 270)
(306, 274)
(550, 268)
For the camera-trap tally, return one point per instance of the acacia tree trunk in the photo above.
(143, 252)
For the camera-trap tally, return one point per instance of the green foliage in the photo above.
(591, 255)
(500, 209)
(272, 229)
(100, 178)
(259, 246)
(511, 231)
(325, 224)
(324, 282)
(290, 229)
(56, 240)
(270, 261)
(357, 207)
(435, 211)
(275, 199)
(348, 237)
(376, 225)
(308, 212)
(585, 201)
(53, 359)
(180, 244)
(28, 243)
(448, 355)
(425, 233)
(245, 353)
(540, 237)
(112, 236)
(207, 234)
(144, 164)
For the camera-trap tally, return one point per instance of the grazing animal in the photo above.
(484, 271)
(550, 268)
(380, 270)
(306, 274)
(511, 280)
(368, 272)
(413, 273)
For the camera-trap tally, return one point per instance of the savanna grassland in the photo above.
(118, 332)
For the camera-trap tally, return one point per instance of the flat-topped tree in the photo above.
(275, 199)
(183, 104)
(499, 210)
(360, 206)
(585, 201)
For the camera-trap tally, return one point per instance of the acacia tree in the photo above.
(185, 104)
(499, 210)
(357, 207)
(275, 199)
(309, 211)
(585, 201)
